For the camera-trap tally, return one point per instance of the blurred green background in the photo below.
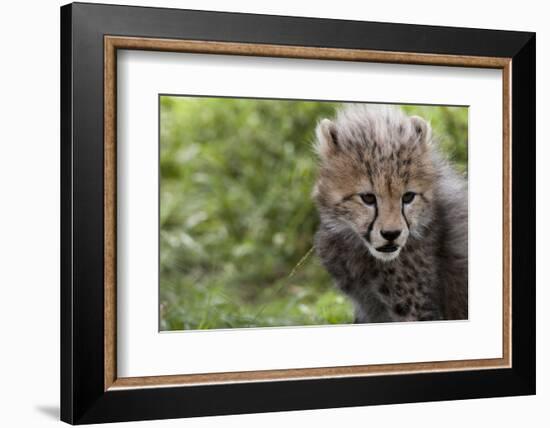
(236, 215)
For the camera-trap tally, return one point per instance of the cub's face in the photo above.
(377, 184)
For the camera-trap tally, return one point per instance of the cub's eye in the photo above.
(408, 197)
(368, 198)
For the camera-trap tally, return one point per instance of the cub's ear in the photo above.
(422, 129)
(327, 139)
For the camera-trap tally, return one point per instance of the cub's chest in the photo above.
(407, 290)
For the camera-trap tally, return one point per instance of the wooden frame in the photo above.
(513, 53)
(112, 43)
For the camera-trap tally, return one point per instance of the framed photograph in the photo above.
(266, 213)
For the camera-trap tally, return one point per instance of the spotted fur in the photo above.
(422, 273)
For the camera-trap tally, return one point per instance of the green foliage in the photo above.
(236, 216)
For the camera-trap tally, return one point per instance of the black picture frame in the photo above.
(83, 397)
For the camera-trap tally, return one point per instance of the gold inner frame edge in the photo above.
(113, 43)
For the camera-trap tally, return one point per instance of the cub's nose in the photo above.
(390, 235)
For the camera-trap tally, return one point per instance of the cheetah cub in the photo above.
(393, 213)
